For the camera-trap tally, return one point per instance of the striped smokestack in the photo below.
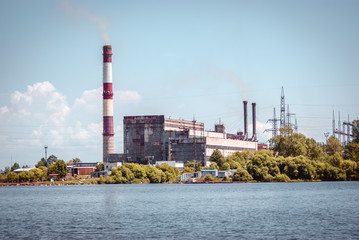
(108, 139)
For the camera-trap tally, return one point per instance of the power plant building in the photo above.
(148, 139)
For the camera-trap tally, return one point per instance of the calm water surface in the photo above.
(318, 210)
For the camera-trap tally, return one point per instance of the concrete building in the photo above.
(81, 168)
(148, 139)
(212, 172)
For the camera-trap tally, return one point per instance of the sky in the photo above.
(182, 59)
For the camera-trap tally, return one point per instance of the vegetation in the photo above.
(15, 166)
(46, 162)
(136, 173)
(208, 178)
(74, 160)
(292, 157)
(58, 167)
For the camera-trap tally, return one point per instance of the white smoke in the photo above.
(77, 13)
(227, 75)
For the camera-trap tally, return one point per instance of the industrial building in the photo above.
(148, 139)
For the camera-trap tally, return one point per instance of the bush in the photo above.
(110, 180)
(226, 179)
(12, 177)
(241, 175)
(26, 176)
(281, 178)
(2, 178)
(208, 178)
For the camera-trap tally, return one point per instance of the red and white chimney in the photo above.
(108, 134)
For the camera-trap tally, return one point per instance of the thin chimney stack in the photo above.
(108, 133)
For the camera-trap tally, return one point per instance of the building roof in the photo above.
(19, 170)
(82, 163)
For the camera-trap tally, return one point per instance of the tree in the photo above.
(15, 166)
(190, 165)
(352, 151)
(37, 174)
(281, 178)
(75, 160)
(213, 165)
(225, 166)
(137, 170)
(187, 170)
(100, 167)
(41, 163)
(351, 169)
(168, 171)
(12, 177)
(58, 167)
(51, 159)
(289, 143)
(126, 173)
(46, 163)
(241, 175)
(226, 179)
(26, 176)
(44, 173)
(333, 146)
(208, 178)
(314, 150)
(154, 174)
(233, 164)
(217, 157)
(336, 160)
(355, 131)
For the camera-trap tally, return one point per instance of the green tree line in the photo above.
(40, 173)
(293, 157)
(137, 173)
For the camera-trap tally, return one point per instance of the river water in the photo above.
(310, 210)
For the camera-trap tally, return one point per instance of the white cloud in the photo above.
(126, 97)
(3, 110)
(42, 116)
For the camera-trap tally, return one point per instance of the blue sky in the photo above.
(177, 58)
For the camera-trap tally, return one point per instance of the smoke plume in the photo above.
(227, 75)
(77, 14)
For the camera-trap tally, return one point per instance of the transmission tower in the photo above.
(340, 131)
(282, 110)
(274, 121)
(289, 119)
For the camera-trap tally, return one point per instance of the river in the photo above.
(303, 210)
